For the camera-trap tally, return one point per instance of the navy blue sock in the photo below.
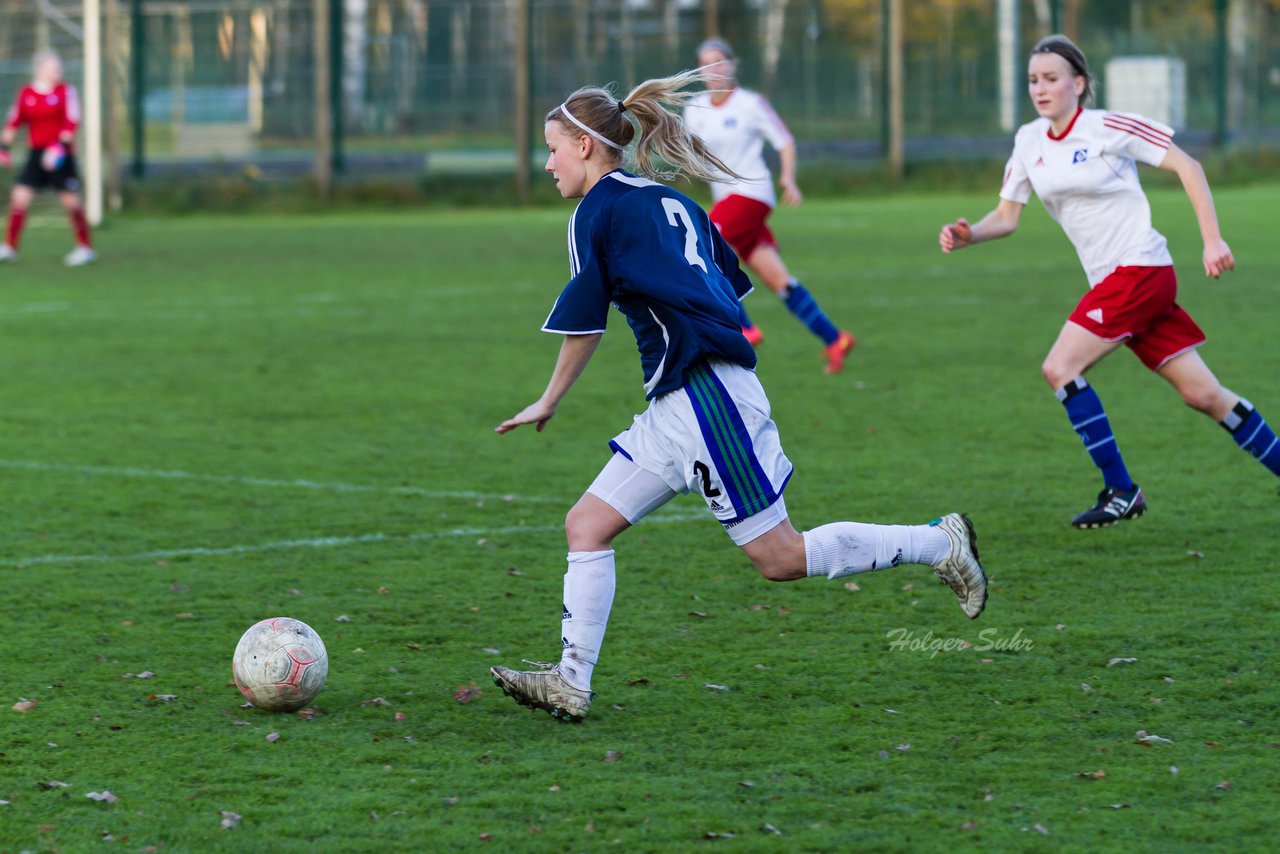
(802, 304)
(1089, 420)
(744, 320)
(1252, 434)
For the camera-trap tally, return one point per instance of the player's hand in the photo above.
(956, 235)
(791, 194)
(1217, 258)
(53, 157)
(535, 413)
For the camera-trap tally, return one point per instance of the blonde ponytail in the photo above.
(663, 135)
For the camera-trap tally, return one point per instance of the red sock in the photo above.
(81, 226)
(16, 219)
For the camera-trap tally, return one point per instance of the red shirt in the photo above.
(47, 114)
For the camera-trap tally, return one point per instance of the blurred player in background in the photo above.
(1083, 165)
(654, 254)
(51, 110)
(735, 123)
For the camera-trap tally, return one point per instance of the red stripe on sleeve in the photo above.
(1137, 129)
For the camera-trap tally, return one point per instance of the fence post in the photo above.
(892, 127)
(1220, 133)
(337, 44)
(93, 111)
(112, 111)
(523, 98)
(138, 61)
(323, 103)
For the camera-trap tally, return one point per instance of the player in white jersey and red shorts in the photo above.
(735, 123)
(51, 110)
(1082, 163)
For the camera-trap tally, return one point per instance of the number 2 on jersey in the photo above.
(678, 216)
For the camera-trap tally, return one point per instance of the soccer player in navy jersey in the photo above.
(652, 253)
(1083, 165)
(51, 110)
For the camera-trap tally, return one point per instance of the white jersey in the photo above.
(1087, 180)
(735, 131)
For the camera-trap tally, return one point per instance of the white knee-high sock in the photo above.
(843, 548)
(588, 596)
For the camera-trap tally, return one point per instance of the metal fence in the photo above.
(430, 85)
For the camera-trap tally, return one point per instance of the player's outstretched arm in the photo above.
(1000, 222)
(575, 352)
(1217, 254)
(791, 194)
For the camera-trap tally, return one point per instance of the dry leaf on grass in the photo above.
(23, 705)
(613, 756)
(769, 828)
(1113, 662)
(401, 716)
(342, 618)
(1093, 775)
(375, 701)
(164, 698)
(466, 693)
(1041, 829)
(52, 784)
(230, 819)
(104, 795)
(273, 737)
(1224, 786)
(1147, 738)
(715, 687)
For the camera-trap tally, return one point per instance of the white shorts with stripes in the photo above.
(713, 437)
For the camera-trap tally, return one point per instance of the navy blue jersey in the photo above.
(653, 253)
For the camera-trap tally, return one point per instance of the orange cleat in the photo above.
(837, 350)
(753, 335)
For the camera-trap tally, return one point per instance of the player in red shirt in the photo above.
(51, 110)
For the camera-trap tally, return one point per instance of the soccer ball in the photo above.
(280, 664)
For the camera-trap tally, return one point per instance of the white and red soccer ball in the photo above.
(280, 664)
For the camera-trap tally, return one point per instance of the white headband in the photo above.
(564, 108)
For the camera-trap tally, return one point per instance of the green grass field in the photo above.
(229, 419)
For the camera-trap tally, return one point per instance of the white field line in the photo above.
(319, 486)
(321, 543)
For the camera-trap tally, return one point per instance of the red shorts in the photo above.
(741, 224)
(1139, 304)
